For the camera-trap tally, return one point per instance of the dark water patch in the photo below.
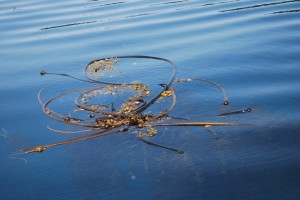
(168, 2)
(285, 11)
(221, 2)
(215, 3)
(66, 25)
(258, 6)
(139, 15)
(107, 4)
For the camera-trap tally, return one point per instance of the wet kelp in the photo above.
(110, 106)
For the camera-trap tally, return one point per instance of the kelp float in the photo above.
(109, 107)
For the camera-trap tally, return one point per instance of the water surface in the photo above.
(251, 48)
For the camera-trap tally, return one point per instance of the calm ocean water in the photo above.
(251, 48)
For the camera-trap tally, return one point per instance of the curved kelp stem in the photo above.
(56, 116)
(69, 132)
(225, 96)
(43, 72)
(235, 112)
(198, 124)
(39, 149)
(161, 146)
(166, 87)
(166, 112)
(212, 132)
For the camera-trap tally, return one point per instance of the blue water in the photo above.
(251, 48)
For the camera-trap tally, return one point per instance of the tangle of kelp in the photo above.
(105, 120)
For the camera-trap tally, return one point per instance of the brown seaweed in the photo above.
(116, 117)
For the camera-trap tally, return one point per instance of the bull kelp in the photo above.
(111, 106)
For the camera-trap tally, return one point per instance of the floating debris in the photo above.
(132, 99)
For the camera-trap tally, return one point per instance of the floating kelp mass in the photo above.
(110, 106)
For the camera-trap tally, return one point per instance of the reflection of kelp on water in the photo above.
(117, 107)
